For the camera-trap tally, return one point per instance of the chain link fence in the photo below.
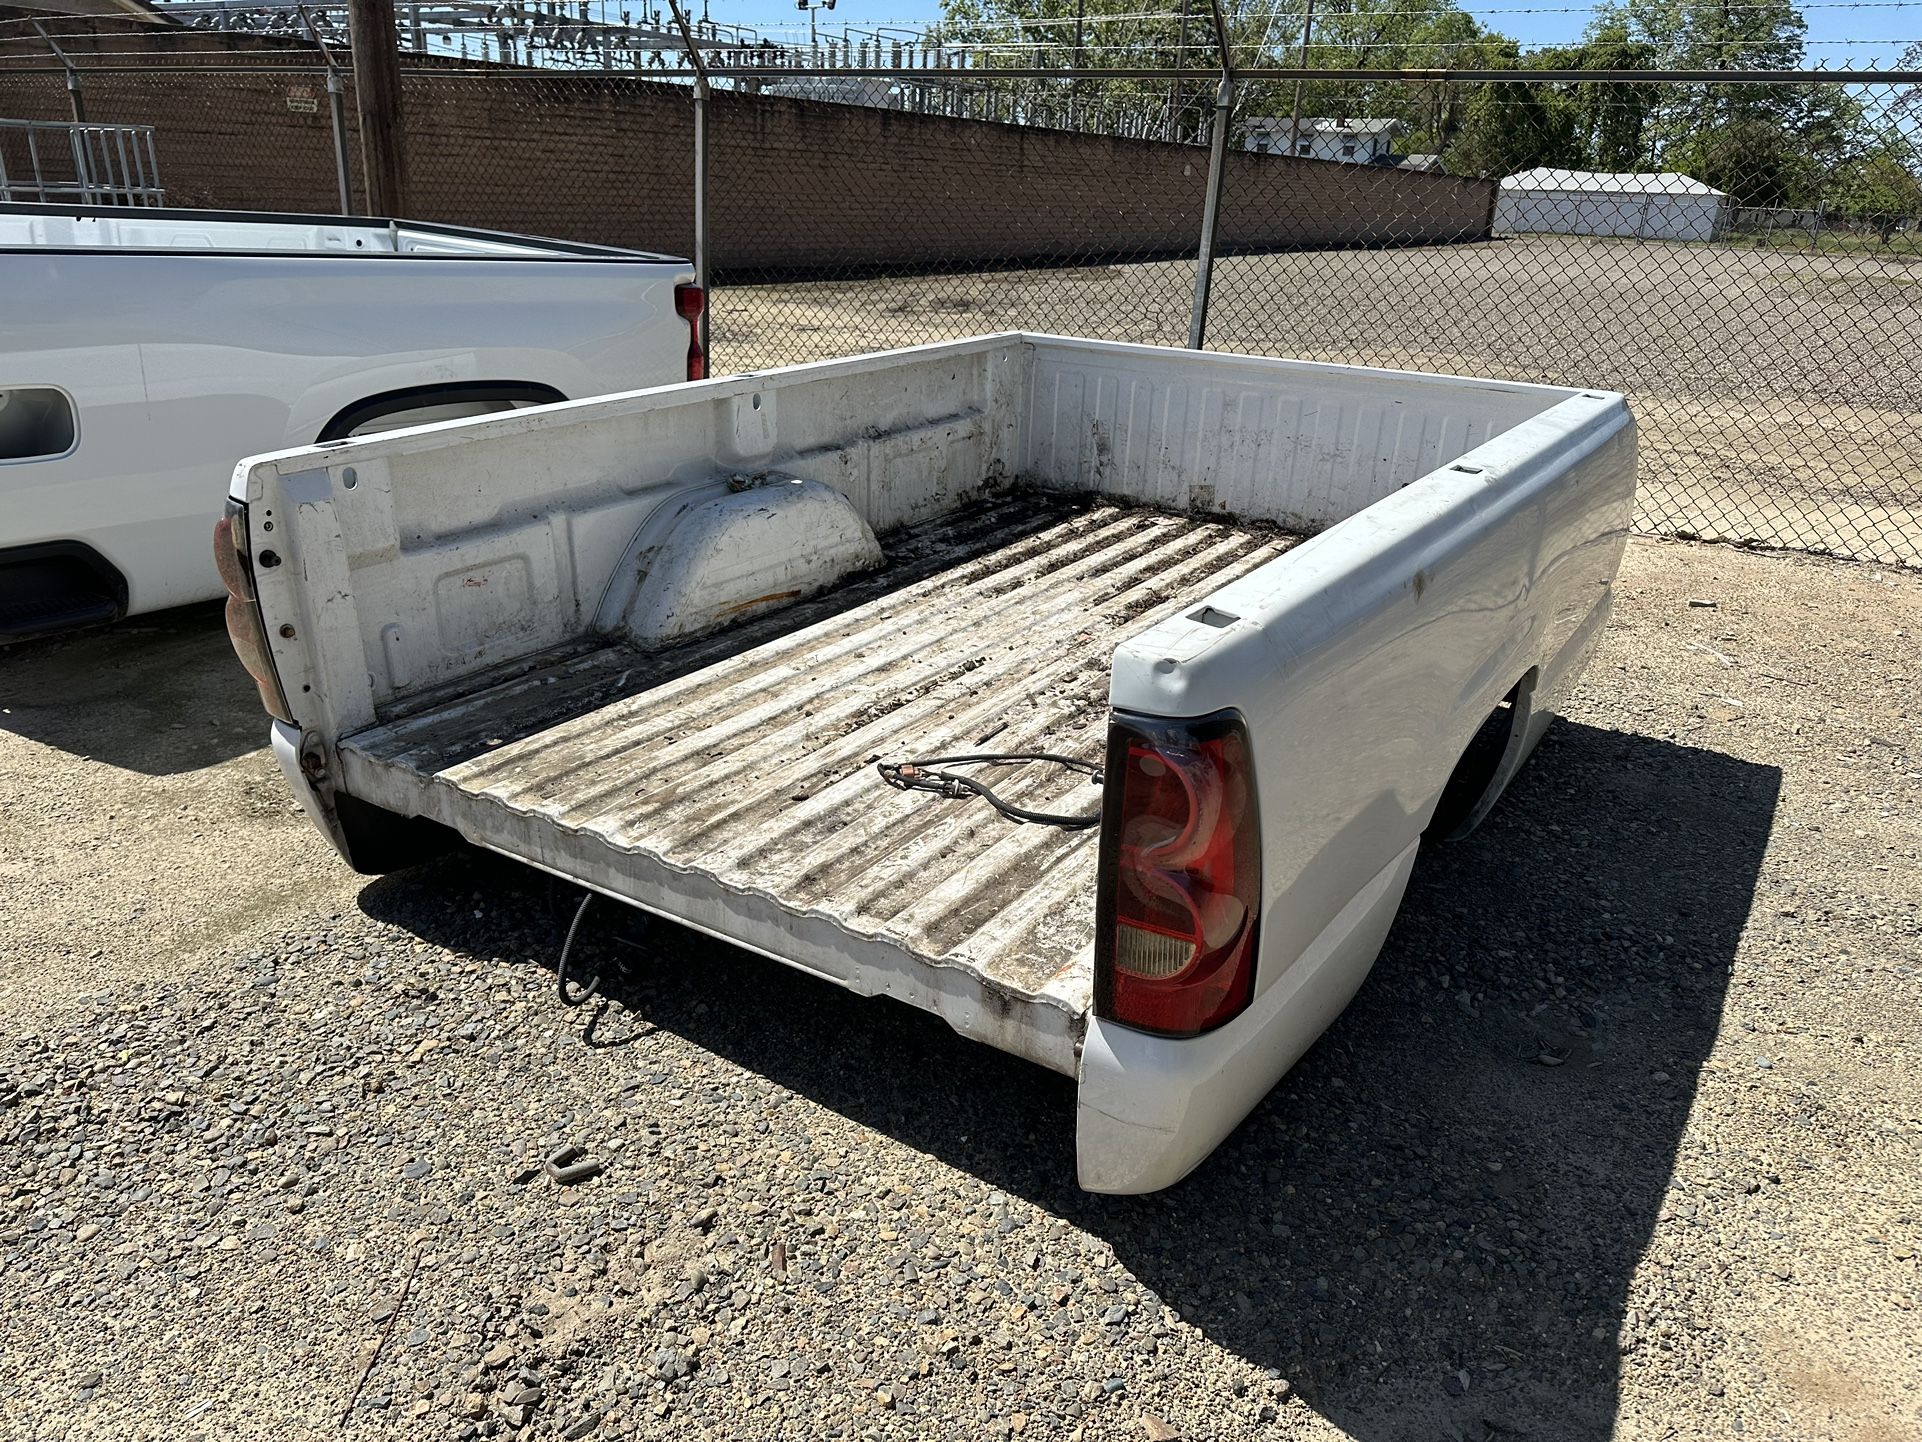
(607, 158)
(1753, 281)
(1744, 261)
(1742, 256)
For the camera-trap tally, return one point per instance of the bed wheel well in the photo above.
(1485, 766)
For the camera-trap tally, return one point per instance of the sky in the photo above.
(1856, 33)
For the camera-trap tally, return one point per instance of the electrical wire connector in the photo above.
(921, 774)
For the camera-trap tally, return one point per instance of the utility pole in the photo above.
(1294, 128)
(377, 97)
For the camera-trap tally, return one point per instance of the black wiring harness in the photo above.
(920, 775)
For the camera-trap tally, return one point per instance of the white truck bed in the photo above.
(735, 775)
(655, 643)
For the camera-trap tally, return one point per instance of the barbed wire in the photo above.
(957, 54)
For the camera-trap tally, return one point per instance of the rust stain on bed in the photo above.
(768, 600)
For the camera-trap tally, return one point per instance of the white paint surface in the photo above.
(1465, 536)
(187, 344)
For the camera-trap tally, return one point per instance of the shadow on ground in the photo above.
(1431, 1226)
(159, 694)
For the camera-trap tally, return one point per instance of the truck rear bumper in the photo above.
(1151, 1108)
(286, 744)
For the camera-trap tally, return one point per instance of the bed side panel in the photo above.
(1365, 659)
(1362, 661)
(470, 545)
(1298, 443)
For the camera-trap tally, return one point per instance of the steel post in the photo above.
(76, 100)
(700, 207)
(700, 171)
(337, 110)
(337, 113)
(1211, 213)
(1294, 126)
(1217, 168)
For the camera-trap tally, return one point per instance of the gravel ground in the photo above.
(1776, 390)
(1622, 1138)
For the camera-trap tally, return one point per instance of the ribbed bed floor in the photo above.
(748, 758)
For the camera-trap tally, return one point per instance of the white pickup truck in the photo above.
(679, 646)
(143, 351)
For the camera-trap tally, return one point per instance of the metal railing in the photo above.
(57, 161)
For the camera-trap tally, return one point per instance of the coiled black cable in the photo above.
(568, 996)
(919, 775)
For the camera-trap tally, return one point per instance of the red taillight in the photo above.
(690, 301)
(244, 625)
(1180, 875)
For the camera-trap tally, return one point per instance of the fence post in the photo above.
(76, 101)
(336, 112)
(377, 96)
(1294, 123)
(701, 277)
(1217, 168)
(336, 109)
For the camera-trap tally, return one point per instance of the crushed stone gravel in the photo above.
(1620, 1139)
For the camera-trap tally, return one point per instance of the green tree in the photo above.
(1881, 186)
(1753, 159)
(1725, 122)
(1114, 34)
(1611, 118)
(1381, 35)
(1096, 35)
(1510, 127)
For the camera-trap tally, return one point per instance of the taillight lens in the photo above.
(1180, 875)
(245, 628)
(690, 302)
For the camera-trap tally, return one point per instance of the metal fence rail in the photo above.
(1738, 251)
(50, 160)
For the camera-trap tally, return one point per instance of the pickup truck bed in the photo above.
(1307, 619)
(736, 772)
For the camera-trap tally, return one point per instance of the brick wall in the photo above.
(795, 185)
